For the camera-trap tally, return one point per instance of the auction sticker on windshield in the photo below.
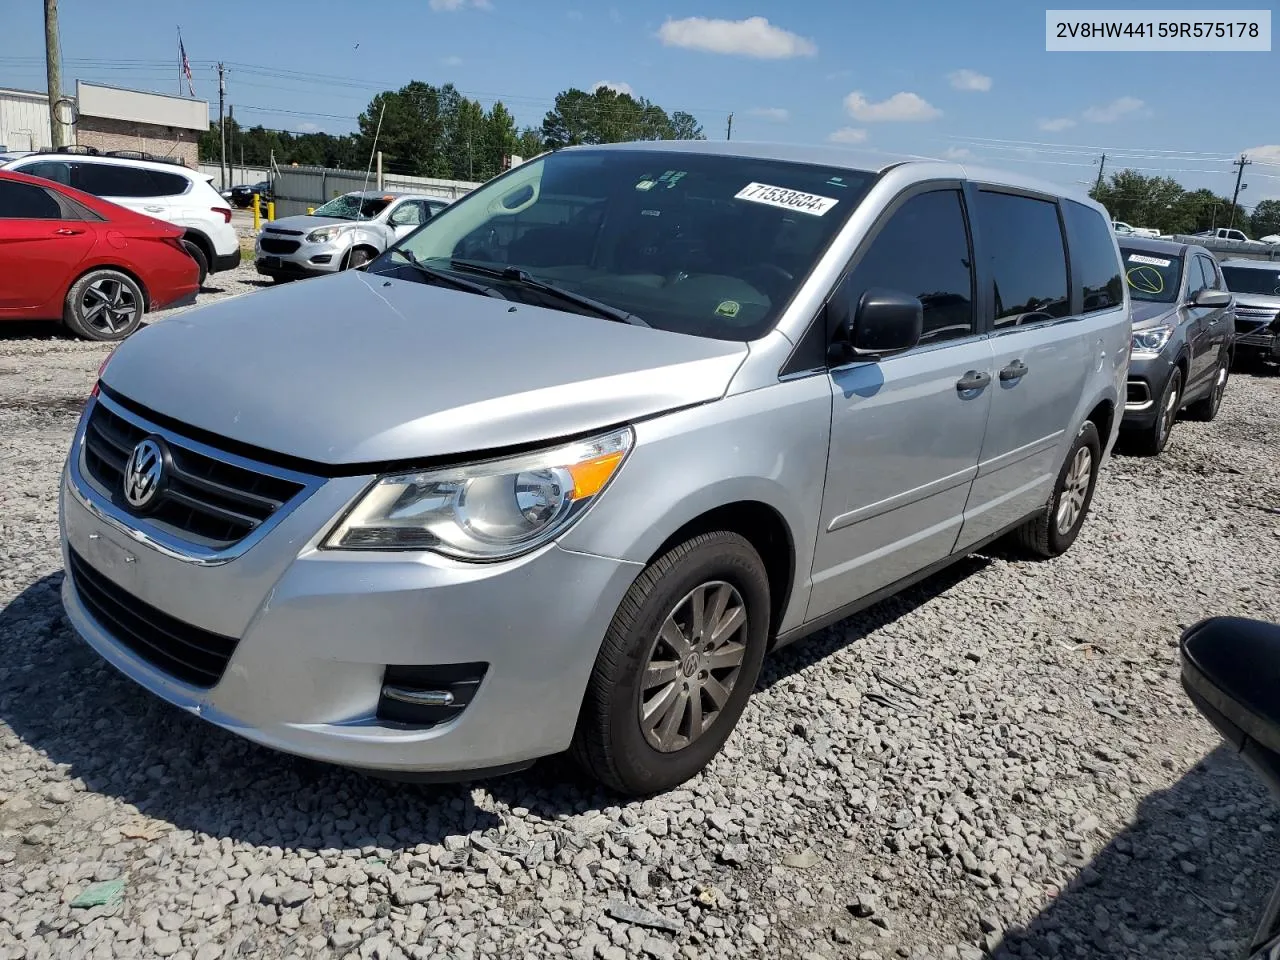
(809, 203)
(1151, 261)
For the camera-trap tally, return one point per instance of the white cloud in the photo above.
(776, 114)
(970, 80)
(308, 127)
(614, 85)
(452, 61)
(1056, 124)
(459, 4)
(959, 153)
(1267, 154)
(848, 135)
(900, 107)
(752, 37)
(1113, 111)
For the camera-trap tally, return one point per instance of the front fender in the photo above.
(767, 446)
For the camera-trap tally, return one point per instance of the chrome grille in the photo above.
(205, 501)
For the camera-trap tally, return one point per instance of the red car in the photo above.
(66, 255)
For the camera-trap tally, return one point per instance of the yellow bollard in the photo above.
(310, 211)
(257, 214)
(271, 209)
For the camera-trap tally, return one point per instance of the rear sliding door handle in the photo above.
(973, 380)
(1014, 371)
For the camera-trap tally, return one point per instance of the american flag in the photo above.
(186, 66)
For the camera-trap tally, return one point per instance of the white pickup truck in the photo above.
(1223, 233)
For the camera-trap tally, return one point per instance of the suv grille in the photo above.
(272, 245)
(204, 500)
(190, 654)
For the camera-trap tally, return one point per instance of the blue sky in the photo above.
(971, 81)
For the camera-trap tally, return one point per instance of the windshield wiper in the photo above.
(441, 276)
(522, 277)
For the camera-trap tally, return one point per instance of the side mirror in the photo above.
(1212, 298)
(886, 322)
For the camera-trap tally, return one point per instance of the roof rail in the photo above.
(77, 148)
(140, 155)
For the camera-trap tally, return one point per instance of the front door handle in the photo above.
(67, 232)
(973, 380)
(1014, 371)
(154, 209)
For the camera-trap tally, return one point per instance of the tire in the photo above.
(103, 305)
(1206, 408)
(357, 258)
(1152, 440)
(1046, 535)
(196, 254)
(652, 626)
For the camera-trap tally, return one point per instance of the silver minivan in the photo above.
(558, 469)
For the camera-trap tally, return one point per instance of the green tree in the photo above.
(529, 144)
(606, 116)
(1266, 219)
(685, 126)
(500, 138)
(571, 121)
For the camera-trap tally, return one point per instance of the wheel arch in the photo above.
(202, 241)
(764, 528)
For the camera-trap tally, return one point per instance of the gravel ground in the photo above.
(1000, 760)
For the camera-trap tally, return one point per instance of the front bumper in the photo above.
(1147, 379)
(1263, 342)
(315, 630)
(308, 259)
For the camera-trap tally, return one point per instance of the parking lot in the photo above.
(1000, 759)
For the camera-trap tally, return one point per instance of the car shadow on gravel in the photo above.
(1187, 878)
(33, 330)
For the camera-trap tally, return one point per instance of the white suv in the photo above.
(164, 190)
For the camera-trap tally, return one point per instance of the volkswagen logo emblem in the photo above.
(143, 472)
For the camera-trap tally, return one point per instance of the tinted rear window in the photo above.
(1093, 254)
(23, 201)
(1028, 259)
(111, 180)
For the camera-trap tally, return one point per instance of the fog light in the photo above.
(322, 258)
(427, 696)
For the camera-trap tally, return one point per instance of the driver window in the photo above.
(924, 251)
(407, 214)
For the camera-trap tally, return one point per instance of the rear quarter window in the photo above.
(114, 180)
(1096, 271)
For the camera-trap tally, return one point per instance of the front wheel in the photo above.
(1052, 531)
(103, 305)
(1206, 408)
(1155, 438)
(676, 667)
(357, 259)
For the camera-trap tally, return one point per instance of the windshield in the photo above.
(1260, 280)
(349, 207)
(1150, 276)
(708, 245)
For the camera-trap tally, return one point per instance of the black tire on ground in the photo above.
(1207, 407)
(1052, 531)
(196, 254)
(642, 652)
(104, 304)
(1153, 439)
(357, 258)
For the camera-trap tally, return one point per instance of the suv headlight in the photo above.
(1150, 342)
(484, 511)
(321, 234)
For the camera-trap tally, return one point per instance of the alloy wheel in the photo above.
(1169, 415)
(108, 305)
(1075, 488)
(693, 666)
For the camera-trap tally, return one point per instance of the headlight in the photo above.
(321, 234)
(484, 511)
(1150, 342)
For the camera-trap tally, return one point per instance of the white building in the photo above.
(24, 120)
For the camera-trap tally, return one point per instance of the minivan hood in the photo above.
(359, 368)
(1146, 314)
(1257, 300)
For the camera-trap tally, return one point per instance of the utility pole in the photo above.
(729, 133)
(231, 119)
(1243, 162)
(222, 127)
(53, 68)
(1098, 184)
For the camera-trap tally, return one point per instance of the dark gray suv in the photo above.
(1183, 338)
